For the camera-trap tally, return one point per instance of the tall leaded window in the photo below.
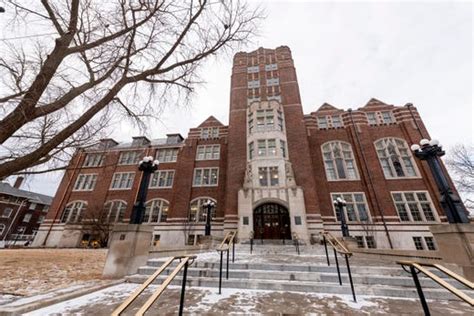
(414, 206)
(156, 211)
(268, 176)
(73, 212)
(162, 179)
(356, 209)
(114, 211)
(395, 158)
(339, 161)
(197, 213)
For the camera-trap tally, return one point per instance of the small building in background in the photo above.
(21, 214)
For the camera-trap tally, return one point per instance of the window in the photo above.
(73, 212)
(266, 147)
(372, 118)
(387, 117)
(283, 148)
(208, 152)
(32, 206)
(40, 219)
(253, 84)
(273, 91)
(129, 157)
(356, 209)
(280, 120)
(271, 67)
(268, 176)
(379, 118)
(418, 243)
(265, 120)
(336, 121)
(413, 206)
(365, 242)
(85, 182)
(370, 241)
(322, 122)
(360, 241)
(122, 180)
(251, 150)
(2, 228)
(114, 211)
(271, 74)
(273, 81)
(245, 220)
(271, 144)
(45, 209)
(7, 212)
(252, 69)
(167, 155)
(209, 132)
(205, 177)
(93, 160)
(430, 244)
(339, 161)
(253, 76)
(197, 212)
(262, 147)
(395, 158)
(162, 179)
(27, 217)
(250, 122)
(297, 220)
(156, 211)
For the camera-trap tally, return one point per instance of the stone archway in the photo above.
(271, 221)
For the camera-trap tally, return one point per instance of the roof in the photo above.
(6, 188)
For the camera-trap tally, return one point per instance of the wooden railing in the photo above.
(418, 267)
(340, 248)
(185, 261)
(226, 244)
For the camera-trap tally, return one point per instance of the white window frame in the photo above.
(85, 182)
(253, 69)
(156, 208)
(210, 132)
(202, 171)
(253, 84)
(387, 158)
(265, 173)
(198, 215)
(75, 213)
(418, 204)
(129, 157)
(269, 67)
(273, 81)
(9, 213)
(27, 218)
(326, 121)
(334, 196)
(379, 117)
(165, 155)
(118, 178)
(114, 211)
(345, 161)
(162, 174)
(208, 152)
(93, 160)
(32, 206)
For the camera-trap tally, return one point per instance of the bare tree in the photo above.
(461, 163)
(93, 62)
(95, 223)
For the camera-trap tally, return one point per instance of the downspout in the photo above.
(364, 160)
(64, 196)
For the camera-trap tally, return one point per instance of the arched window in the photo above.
(73, 212)
(196, 211)
(395, 158)
(339, 161)
(114, 211)
(156, 211)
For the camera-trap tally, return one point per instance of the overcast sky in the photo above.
(346, 53)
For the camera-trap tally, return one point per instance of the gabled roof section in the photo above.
(211, 121)
(374, 103)
(7, 189)
(327, 107)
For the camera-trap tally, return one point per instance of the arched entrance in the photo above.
(271, 221)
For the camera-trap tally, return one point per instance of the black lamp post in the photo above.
(208, 206)
(340, 204)
(148, 166)
(430, 150)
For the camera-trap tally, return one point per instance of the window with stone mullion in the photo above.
(355, 209)
(395, 158)
(339, 161)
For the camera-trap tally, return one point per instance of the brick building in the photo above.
(21, 213)
(273, 170)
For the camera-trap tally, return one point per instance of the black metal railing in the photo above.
(338, 247)
(417, 267)
(185, 261)
(225, 246)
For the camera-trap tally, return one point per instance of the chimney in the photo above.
(18, 182)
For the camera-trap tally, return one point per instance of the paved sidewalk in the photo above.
(206, 301)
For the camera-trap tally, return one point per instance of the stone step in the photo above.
(325, 277)
(308, 287)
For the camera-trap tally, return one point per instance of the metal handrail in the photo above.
(419, 266)
(339, 247)
(184, 262)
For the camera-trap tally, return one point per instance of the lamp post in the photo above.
(430, 150)
(340, 204)
(208, 206)
(148, 166)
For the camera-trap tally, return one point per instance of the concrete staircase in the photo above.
(278, 268)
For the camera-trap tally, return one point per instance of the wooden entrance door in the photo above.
(271, 221)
